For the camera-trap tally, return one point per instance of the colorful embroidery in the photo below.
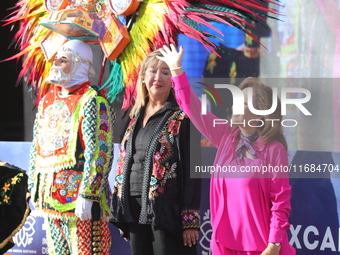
(54, 128)
(181, 116)
(101, 161)
(132, 123)
(158, 171)
(65, 186)
(121, 158)
(119, 169)
(160, 190)
(57, 127)
(161, 168)
(165, 144)
(96, 183)
(174, 126)
(190, 219)
(7, 190)
(99, 149)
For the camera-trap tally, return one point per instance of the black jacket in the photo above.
(170, 198)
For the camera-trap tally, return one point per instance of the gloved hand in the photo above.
(83, 208)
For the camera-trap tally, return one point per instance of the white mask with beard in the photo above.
(59, 77)
(77, 65)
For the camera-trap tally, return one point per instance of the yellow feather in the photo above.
(151, 12)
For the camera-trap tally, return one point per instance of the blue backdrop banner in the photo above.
(314, 217)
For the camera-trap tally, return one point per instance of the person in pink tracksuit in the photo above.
(249, 209)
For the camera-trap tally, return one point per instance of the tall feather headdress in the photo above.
(127, 31)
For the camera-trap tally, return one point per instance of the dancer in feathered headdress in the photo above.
(127, 31)
(71, 156)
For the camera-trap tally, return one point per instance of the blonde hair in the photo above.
(262, 100)
(141, 91)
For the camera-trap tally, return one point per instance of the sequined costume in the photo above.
(71, 156)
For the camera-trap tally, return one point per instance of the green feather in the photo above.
(218, 8)
(195, 25)
(114, 85)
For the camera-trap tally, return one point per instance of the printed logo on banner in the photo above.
(206, 234)
(212, 95)
(302, 96)
(312, 238)
(25, 236)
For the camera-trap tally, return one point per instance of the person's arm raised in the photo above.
(188, 100)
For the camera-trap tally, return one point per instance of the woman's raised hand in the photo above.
(172, 57)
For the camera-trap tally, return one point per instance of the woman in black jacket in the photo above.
(155, 202)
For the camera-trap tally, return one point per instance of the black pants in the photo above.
(146, 239)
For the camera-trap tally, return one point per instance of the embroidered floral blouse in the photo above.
(170, 198)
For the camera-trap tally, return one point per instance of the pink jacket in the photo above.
(248, 209)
